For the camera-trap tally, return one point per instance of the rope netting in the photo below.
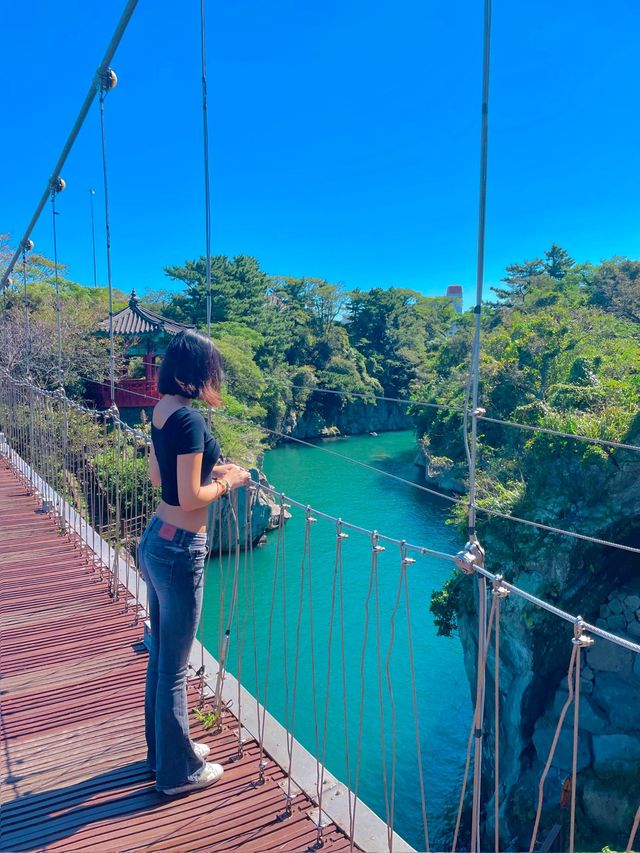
(290, 640)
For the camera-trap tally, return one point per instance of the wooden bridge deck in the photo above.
(71, 720)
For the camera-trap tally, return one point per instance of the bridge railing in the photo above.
(272, 646)
(313, 642)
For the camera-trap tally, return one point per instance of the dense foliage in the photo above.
(560, 350)
(285, 340)
(33, 348)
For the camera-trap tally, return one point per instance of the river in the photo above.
(372, 501)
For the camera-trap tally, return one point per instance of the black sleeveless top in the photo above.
(184, 431)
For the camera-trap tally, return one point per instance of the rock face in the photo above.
(601, 584)
(440, 472)
(609, 730)
(356, 418)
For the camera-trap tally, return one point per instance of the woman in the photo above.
(184, 457)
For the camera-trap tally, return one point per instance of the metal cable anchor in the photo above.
(499, 590)
(375, 543)
(580, 639)
(340, 534)
(471, 557)
(405, 559)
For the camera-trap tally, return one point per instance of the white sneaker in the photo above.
(210, 774)
(201, 749)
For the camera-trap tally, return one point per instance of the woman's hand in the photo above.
(224, 470)
(191, 494)
(237, 476)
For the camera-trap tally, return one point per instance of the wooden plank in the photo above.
(71, 697)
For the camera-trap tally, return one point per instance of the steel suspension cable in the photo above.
(54, 397)
(27, 325)
(116, 38)
(207, 183)
(55, 189)
(473, 449)
(108, 82)
(404, 401)
(449, 498)
(486, 510)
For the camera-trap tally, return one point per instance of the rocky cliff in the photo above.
(355, 418)
(600, 496)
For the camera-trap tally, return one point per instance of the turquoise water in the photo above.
(367, 499)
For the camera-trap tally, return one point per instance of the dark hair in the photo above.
(192, 368)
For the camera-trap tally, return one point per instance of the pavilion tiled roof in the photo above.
(135, 320)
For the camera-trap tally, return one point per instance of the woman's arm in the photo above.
(154, 469)
(191, 494)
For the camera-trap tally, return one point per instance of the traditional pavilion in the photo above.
(147, 335)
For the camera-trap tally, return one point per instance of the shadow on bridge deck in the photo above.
(71, 725)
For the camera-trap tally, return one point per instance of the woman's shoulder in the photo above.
(187, 416)
(179, 418)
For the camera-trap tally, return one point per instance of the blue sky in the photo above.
(344, 135)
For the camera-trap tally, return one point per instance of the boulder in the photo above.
(592, 719)
(606, 656)
(563, 756)
(632, 602)
(620, 700)
(615, 605)
(613, 749)
(633, 629)
(617, 622)
(587, 673)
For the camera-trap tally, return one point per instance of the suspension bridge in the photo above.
(75, 498)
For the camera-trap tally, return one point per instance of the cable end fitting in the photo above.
(108, 79)
(376, 547)
(580, 639)
(57, 185)
(470, 558)
(499, 590)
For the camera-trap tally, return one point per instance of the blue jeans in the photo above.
(172, 564)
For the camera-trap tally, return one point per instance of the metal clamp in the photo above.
(580, 639)
(340, 534)
(499, 590)
(405, 559)
(375, 543)
(471, 557)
